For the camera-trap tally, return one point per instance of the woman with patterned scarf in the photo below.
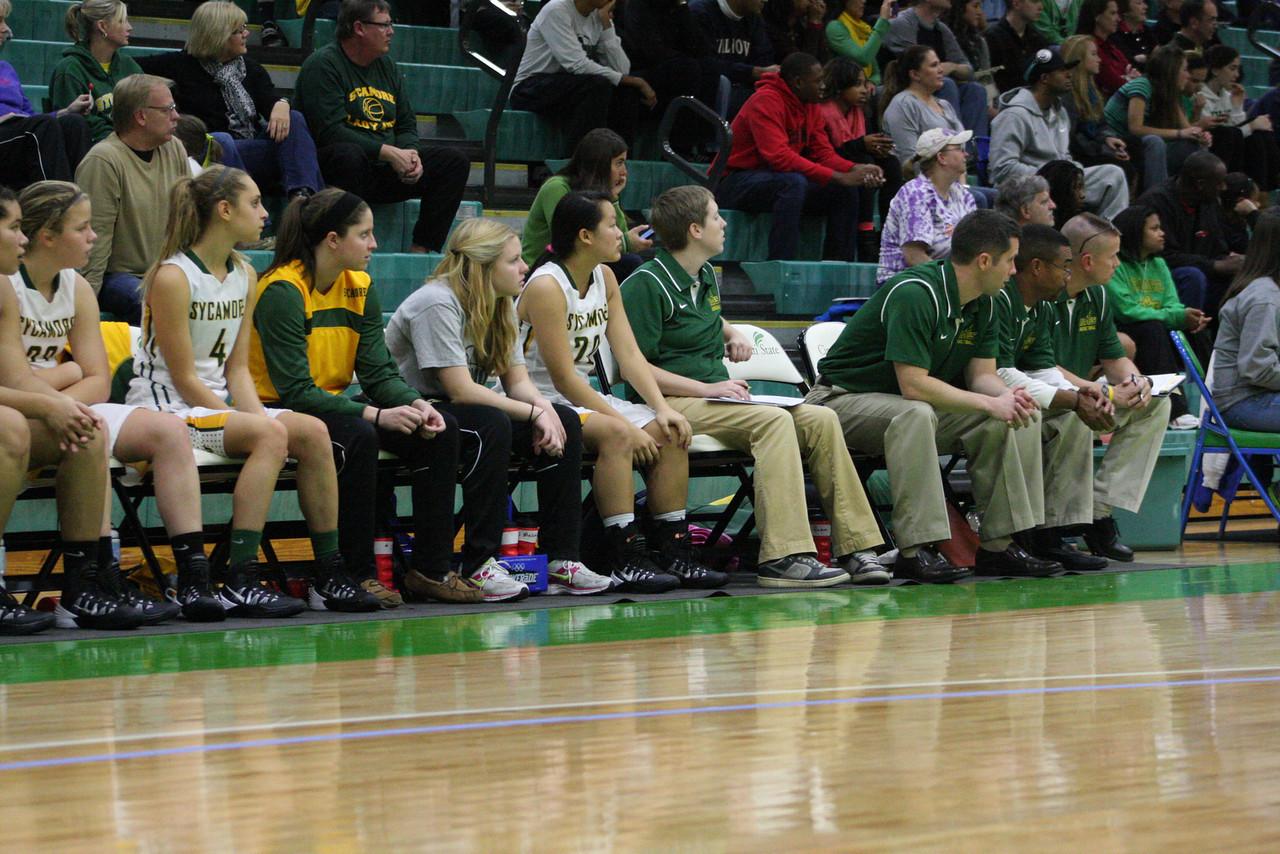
(233, 95)
(850, 35)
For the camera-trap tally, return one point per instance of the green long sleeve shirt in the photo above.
(1144, 290)
(842, 43)
(344, 102)
(537, 227)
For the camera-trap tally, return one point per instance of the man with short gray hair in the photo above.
(1025, 199)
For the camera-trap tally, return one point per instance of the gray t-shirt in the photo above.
(428, 332)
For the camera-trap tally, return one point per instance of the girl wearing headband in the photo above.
(454, 333)
(318, 327)
(193, 362)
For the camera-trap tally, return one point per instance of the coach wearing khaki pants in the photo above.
(913, 375)
(673, 305)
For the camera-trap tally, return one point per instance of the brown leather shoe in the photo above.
(452, 589)
(387, 598)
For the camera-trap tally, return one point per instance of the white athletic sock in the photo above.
(673, 516)
(1100, 510)
(622, 520)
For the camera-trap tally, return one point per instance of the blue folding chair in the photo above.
(1215, 435)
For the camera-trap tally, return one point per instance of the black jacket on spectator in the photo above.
(739, 46)
(197, 94)
(786, 36)
(1012, 52)
(1193, 237)
(654, 31)
(1136, 44)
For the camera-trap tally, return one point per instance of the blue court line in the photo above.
(88, 759)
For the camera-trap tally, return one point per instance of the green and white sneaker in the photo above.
(572, 578)
(493, 580)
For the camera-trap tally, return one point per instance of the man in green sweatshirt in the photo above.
(365, 128)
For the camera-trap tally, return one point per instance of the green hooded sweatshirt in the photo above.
(77, 71)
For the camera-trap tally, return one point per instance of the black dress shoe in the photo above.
(1047, 544)
(1014, 561)
(1103, 538)
(930, 567)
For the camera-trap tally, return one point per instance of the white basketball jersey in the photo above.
(217, 309)
(585, 321)
(45, 323)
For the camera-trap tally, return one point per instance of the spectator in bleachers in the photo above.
(1146, 303)
(1033, 128)
(1025, 199)
(36, 146)
(360, 114)
(1099, 19)
(297, 360)
(1199, 30)
(1246, 371)
(233, 95)
(912, 96)
(1058, 20)
(782, 162)
(851, 36)
(925, 212)
(39, 429)
(1168, 21)
(1150, 114)
(1195, 243)
(1092, 142)
(673, 305)
(849, 129)
(913, 375)
(598, 165)
(797, 25)
(568, 310)
(128, 176)
(1013, 40)
(1025, 318)
(449, 339)
(667, 48)
(93, 65)
(1242, 204)
(1066, 189)
(1256, 147)
(922, 25)
(1084, 338)
(575, 71)
(739, 42)
(1133, 34)
(969, 26)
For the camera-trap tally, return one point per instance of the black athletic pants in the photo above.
(42, 148)
(443, 180)
(581, 103)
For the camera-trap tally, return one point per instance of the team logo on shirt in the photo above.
(1089, 322)
(231, 309)
(586, 320)
(967, 336)
(713, 301)
(57, 328)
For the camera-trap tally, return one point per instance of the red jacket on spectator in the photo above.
(1114, 64)
(777, 132)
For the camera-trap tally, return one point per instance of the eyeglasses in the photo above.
(386, 25)
(1064, 269)
(172, 108)
(241, 30)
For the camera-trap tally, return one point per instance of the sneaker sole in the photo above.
(554, 589)
(650, 588)
(108, 622)
(29, 626)
(876, 576)
(711, 583)
(253, 612)
(317, 602)
(160, 616)
(210, 612)
(767, 581)
(507, 597)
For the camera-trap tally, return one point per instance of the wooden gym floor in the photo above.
(1132, 711)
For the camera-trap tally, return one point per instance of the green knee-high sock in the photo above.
(244, 546)
(324, 543)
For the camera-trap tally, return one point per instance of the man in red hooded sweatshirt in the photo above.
(783, 162)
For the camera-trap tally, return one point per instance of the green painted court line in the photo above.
(587, 624)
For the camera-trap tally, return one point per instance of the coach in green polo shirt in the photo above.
(673, 305)
(1026, 317)
(914, 375)
(1086, 336)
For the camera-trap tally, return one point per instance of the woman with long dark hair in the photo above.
(1099, 20)
(598, 165)
(570, 307)
(1246, 373)
(1254, 140)
(910, 103)
(1066, 188)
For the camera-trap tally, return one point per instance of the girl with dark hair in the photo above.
(1246, 372)
(1151, 114)
(910, 104)
(318, 327)
(449, 338)
(598, 165)
(968, 23)
(568, 309)
(849, 35)
(797, 25)
(1255, 147)
(849, 129)
(193, 361)
(1133, 35)
(1146, 304)
(1066, 188)
(1099, 20)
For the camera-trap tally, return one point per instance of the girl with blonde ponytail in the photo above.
(448, 339)
(193, 362)
(93, 65)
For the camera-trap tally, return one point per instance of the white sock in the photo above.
(673, 516)
(622, 520)
(1100, 510)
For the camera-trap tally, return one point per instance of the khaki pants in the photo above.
(784, 442)
(1121, 478)
(1004, 464)
(1068, 455)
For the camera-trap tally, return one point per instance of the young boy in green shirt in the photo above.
(673, 304)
